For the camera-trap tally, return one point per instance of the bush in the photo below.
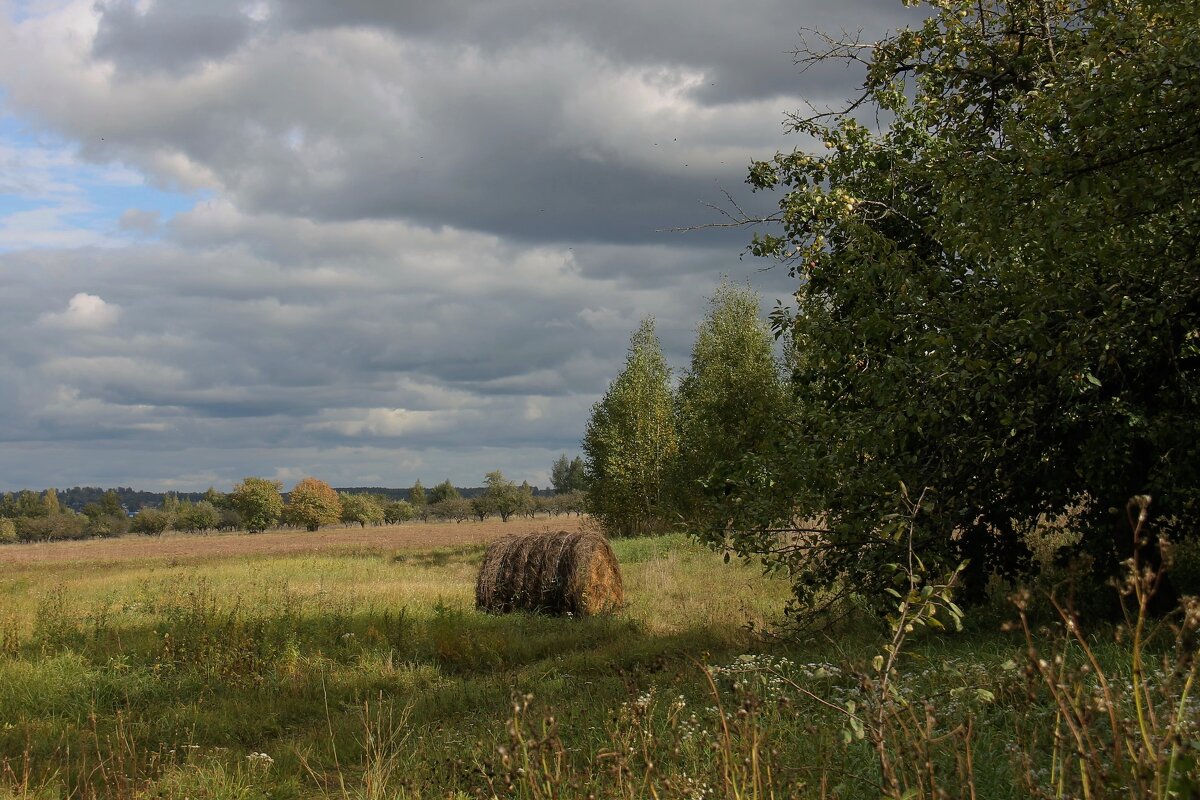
(52, 528)
(106, 526)
(8, 531)
(457, 509)
(151, 522)
(360, 508)
(229, 520)
(196, 517)
(398, 511)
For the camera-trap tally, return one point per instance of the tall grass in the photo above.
(370, 675)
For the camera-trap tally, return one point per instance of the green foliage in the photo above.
(631, 442)
(999, 294)
(259, 503)
(8, 531)
(60, 527)
(568, 475)
(502, 496)
(456, 509)
(50, 499)
(219, 500)
(150, 522)
(311, 504)
(106, 526)
(363, 509)
(196, 517)
(730, 405)
(416, 495)
(443, 491)
(30, 504)
(398, 511)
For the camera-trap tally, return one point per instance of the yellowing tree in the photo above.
(313, 503)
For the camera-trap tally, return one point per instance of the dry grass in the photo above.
(180, 548)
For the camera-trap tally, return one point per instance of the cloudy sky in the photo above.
(367, 240)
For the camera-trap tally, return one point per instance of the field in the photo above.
(351, 663)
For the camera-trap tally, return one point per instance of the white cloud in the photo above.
(84, 312)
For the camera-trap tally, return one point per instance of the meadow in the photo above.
(351, 663)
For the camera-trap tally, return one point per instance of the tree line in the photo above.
(256, 504)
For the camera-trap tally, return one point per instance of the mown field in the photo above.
(353, 664)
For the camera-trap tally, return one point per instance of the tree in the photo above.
(504, 497)
(219, 500)
(729, 406)
(360, 508)
(481, 507)
(452, 508)
(443, 491)
(998, 303)
(311, 504)
(8, 531)
(111, 505)
(568, 475)
(196, 517)
(416, 495)
(397, 511)
(51, 501)
(577, 477)
(259, 503)
(150, 522)
(631, 442)
(560, 475)
(30, 504)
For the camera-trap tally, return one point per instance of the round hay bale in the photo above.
(552, 573)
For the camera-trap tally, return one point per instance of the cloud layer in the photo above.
(419, 236)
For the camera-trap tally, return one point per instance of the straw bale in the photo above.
(554, 573)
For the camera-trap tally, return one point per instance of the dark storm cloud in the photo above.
(169, 36)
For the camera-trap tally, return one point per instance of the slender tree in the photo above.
(631, 442)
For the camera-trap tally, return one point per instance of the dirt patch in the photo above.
(192, 547)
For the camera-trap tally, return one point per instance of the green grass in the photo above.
(371, 675)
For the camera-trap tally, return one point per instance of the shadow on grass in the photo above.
(226, 679)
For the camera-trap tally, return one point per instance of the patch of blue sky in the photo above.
(50, 196)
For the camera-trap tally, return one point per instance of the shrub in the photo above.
(105, 526)
(8, 531)
(195, 517)
(54, 527)
(150, 522)
(398, 511)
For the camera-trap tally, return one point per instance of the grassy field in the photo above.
(353, 664)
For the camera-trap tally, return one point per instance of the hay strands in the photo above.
(551, 573)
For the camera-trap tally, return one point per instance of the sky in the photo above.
(370, 241)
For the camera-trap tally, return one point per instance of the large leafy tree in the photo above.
(258, 502)
(631, 442)
(998, 310)
(730, 403)
(311, 504)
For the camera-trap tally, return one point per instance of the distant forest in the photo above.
(133, 499)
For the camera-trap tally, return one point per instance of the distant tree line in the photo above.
(257, 504)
